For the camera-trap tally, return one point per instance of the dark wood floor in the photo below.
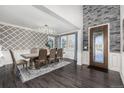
(70, 76)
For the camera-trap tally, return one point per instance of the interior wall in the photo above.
(21, 40)
(12, 37)
(94, 15)
(101, 14)
(122, 41)
(80, 58)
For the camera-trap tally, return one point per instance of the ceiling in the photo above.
(64, 18)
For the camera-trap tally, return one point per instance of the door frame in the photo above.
(108, 40)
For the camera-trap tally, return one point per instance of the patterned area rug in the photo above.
(29, 74)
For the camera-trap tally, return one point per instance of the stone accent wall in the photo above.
(18, 38)
(100, 14)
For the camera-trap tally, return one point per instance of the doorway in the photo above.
(99, 47)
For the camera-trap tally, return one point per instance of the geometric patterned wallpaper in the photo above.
(18, 38)
(101, 14)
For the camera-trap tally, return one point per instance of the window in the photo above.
(51, 41)
(68, 41)
(63, 41)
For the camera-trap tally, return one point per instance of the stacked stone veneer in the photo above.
(99, 14)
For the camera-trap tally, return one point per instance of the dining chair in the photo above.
(16, 63)
(42, 58)
(34, 50)
(59, 55)
(52, 56)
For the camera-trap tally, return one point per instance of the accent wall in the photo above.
(101, 14)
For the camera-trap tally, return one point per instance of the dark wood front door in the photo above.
(99, 46)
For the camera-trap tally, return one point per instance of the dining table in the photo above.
(31, 56)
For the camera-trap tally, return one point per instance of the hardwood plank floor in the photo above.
(71, 76)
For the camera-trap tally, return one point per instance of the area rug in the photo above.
(29, 74)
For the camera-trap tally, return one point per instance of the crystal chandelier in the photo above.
(47, 30)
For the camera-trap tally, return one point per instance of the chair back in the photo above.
(52, 53)
(14, 61)
(42, 54)
(34, 50)
(60, 53)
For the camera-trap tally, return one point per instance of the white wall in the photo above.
(122, 68)
(69, 53)
(122, 52)
(7, 59)
(80, 47)
(85, 58)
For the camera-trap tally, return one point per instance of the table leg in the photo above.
(32, 65)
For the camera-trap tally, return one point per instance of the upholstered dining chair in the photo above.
(52, 56)
(42, 58)
(34, 50)
(59, 55)
(16, 63)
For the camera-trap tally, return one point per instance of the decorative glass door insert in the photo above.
(98, 47)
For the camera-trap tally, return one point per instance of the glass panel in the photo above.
(71, 41)
(63, 42)
(68, 41)
(68, 44)
(51, 41)
(98, 47)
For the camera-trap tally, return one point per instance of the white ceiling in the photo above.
(72, 13)
(62, 18)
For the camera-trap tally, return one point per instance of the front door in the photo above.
(99, 46)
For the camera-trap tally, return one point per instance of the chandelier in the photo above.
(46, 30)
